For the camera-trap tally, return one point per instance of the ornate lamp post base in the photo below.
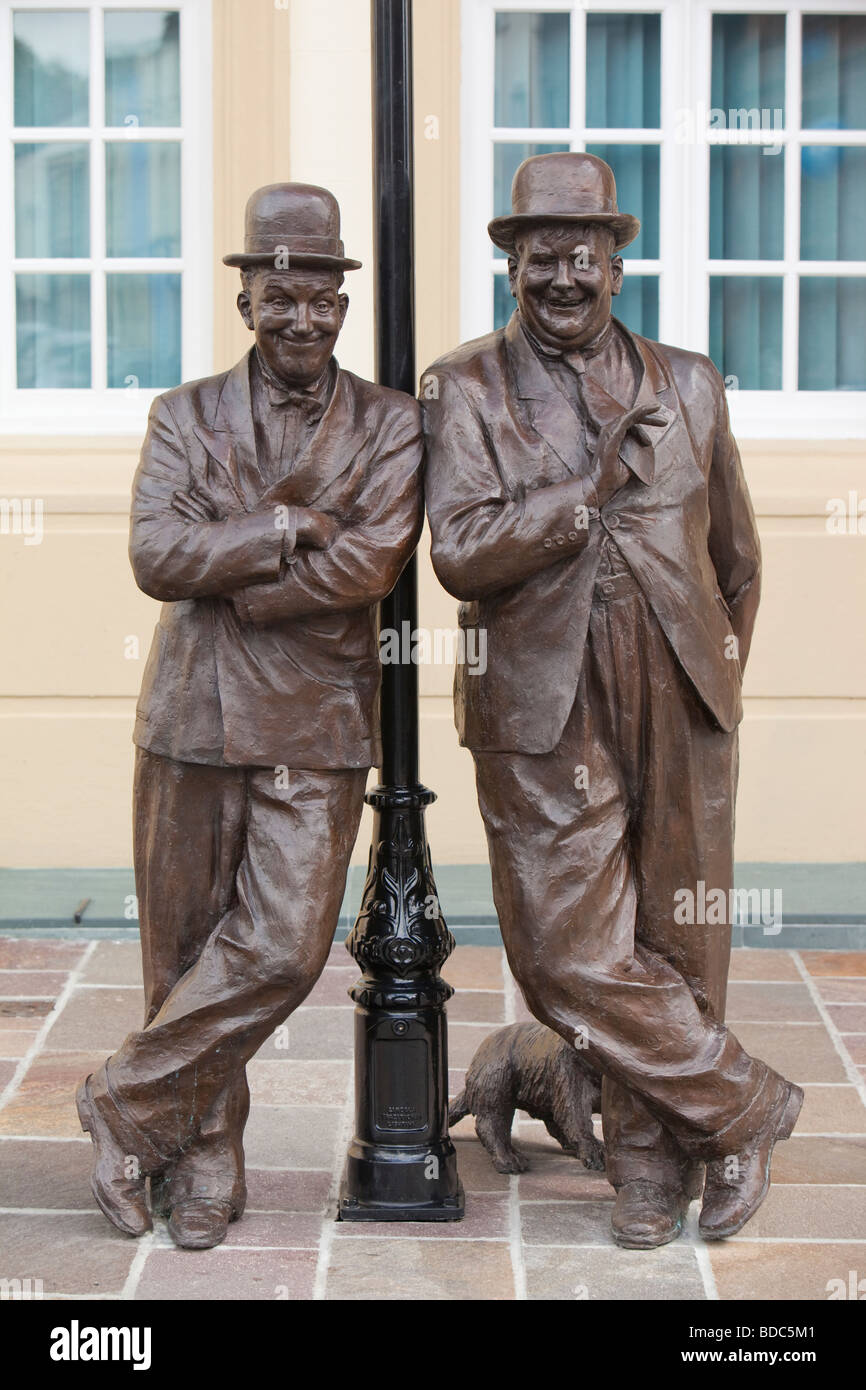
(401, 1164)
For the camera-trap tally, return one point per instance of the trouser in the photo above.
(589, 845)
(239, 882)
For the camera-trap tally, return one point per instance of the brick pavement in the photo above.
(544, 1235)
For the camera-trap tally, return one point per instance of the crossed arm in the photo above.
(180, 550)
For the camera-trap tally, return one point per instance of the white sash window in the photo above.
(737, 133)
(106, 247)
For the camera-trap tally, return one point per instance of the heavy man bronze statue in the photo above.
(274, 505)
(587, 503)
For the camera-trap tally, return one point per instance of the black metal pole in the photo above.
(401, 1164)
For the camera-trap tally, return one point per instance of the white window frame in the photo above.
(684, 265)
(101, 409)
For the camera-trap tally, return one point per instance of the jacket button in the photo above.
(612, 521)
(547, 542)
(572, 535)
(560, 540)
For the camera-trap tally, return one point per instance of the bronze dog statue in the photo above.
(526, 1066)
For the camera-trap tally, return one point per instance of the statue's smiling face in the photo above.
(563, 278)
(296, 316)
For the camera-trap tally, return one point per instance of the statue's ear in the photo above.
(616, 273)
(245, 309)
(512, 275)
(343, 301)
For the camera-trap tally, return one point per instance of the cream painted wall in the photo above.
(291, 99)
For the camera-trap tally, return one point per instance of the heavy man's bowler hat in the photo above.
(565, 187)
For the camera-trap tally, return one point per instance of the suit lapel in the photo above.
(637, 450)
(231, 441)
(547, 409)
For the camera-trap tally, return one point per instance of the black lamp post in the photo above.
(401, 1164)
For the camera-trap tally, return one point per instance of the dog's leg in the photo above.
(494, 1130)
(577, 1137)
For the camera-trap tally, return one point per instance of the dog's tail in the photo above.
(458, 1109)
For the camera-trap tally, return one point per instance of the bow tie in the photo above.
(309, 405)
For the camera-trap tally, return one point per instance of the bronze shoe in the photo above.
(646, 1214)
(731, 1199)
(198, 1223)
(121, 1198)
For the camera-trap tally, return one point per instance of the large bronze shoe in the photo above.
(647, 1214)
(734, 1191)
(121, 1198)
(199, 1223)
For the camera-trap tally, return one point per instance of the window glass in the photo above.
(833, 203)
(832, 341)
(623, 70)
(142, 67)
(142, 198)
(746, 330)
(143, 330)
(637, 304)
(834, 72)
(53, 330)
(503, 303)
(532, 69)
(748, 64)
(747, 201)
(52, 60)
(52, 199)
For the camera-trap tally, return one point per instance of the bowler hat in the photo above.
(564, 187)
(296, 221)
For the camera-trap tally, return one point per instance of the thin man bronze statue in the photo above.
(274, 505)
(588, 505)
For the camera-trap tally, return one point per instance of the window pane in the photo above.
(506, 159)
(832, 341)
(746, 330)
(637, 304)
(749, 68)
(52, 199)
(532, 69)
(143, 330)
(623, 70)
(503, 303)
(636, 170)
(52, 54)
(53, 330)
(833, 203)
(142, 213)
(747, 199)
(834, 72)
(142, 67)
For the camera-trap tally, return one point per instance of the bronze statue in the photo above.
(588, 505)
(274, 505)
(526, 1066)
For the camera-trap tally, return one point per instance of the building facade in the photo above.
(133, 135)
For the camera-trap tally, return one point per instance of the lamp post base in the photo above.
(401, 1164)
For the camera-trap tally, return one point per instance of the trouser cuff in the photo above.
(126, 1132)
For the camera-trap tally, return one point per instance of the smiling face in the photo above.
(563, 278)
(296, 316)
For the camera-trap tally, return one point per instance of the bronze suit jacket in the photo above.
(289, 672)
(499, 432)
